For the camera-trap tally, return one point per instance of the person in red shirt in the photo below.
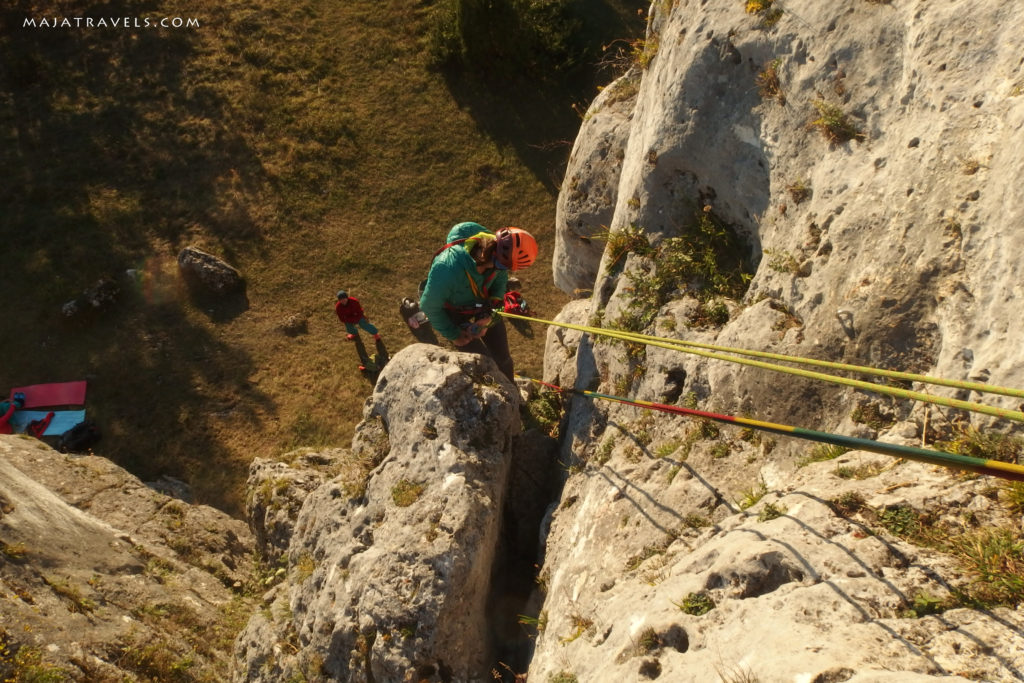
(350, 313)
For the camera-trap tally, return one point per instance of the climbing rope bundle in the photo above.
(744, 357)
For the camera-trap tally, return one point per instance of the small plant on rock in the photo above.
(696, 604)
(406, 492)
(539, 622)
(821, 453)
(799, 192)
(708, 314)
(771, 511)
(580, 624)
(860, 472)
(848, 504)
(781, 261)
(750, 497)
(768, 83)
(563, 677)
(695, 521)
(648, 642)
(901, 520)
(1013, 496)
(835, 124)
(872, 415)
(765, 9)
(970, 441)
(923, 605)
(631, 239)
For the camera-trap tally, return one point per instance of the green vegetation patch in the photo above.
(406, 492)
(987, 445)
(834, 124)
(708, 260)
(821, 453)
(696, 604)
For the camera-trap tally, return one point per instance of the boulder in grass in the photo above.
(209, 273)
(98, 298)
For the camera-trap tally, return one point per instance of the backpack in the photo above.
(79, 438)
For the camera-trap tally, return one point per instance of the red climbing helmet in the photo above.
(516, 248)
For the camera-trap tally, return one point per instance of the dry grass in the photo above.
(308, 144)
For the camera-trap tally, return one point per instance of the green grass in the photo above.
(991, 560)
(708, 260)
(315, 146)
(696, 604)
(987, 445)
(821, 453)
(751, 496)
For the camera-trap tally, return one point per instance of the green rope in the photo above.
(967, 463)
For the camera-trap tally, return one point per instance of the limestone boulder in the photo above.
(106, 579)
(590, 188)
(391, 583)
(276, 491)
(208, 273)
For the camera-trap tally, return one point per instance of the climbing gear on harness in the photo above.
(515, 303)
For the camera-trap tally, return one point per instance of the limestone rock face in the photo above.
(590, 188)
(893, 246)
(276, 491)
(104, 579)
(654, 575)
(390, 583)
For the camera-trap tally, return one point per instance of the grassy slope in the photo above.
(311, 146)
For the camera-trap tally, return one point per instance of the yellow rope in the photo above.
(686, 347)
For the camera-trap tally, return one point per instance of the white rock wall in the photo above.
(903, 256)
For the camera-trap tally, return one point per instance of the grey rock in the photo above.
(106, 579)
(393, 583)
(209, 273)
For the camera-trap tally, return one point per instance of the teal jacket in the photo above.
(454, 281)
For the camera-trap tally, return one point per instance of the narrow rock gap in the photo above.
(515, 601)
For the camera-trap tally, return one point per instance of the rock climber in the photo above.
(467, 280)
(350, 313)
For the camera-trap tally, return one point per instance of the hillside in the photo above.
(313, 146)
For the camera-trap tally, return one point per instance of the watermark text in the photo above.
(110, 22)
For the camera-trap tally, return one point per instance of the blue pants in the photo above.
(363, 323)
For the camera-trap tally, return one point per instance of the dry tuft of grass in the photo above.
(769, 85)
(834, 124)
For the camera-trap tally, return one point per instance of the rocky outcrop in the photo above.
(104, 579)
(590, 188)
(864, 162)
(653, 573)
(277, 489)
(389, 580)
